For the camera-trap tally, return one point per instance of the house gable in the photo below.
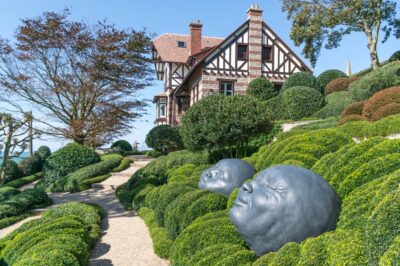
(223, 60)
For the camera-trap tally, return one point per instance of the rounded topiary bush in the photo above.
(276, 108)
(339, 84)
(327, 76)
(224, 123)
(262, 89)
(395, 57)
(301, 102)
(355, 108)
(122, 145)
(301, 79)
(384, 77)
(12, 171)
(43, 152)
(32, 165)
(335, 103)
(383, 103)
(164, 139)
(65, 161)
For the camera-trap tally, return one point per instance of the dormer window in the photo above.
(181, 44)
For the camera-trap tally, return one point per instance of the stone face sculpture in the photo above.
(284, 204)
(226, 175)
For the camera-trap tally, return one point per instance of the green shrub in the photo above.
(308, 146)
(44, 152)
(201, 234)
(383, 226)
(232, 198)
(213, 254)
(22, 202)
(164, 139)
(125, 164)
(168, 195)
(161, 243)
(262, 89)
(7, 192)
(124, 196)
(361, 203)
(242, 257)
(369, 171)
(24, 180)
(335, 104)
(140, 197)
(392, 254)
(384, 77)
(276, 108)
(122, 145)
(364, 156)
(302, 79)
(327, 76)
(174, 214)
(288, 255)
(74, 182)
(63, 236)
(395, 57)
(301, 102)
(12, 171)
(63, 162)
(205, 204)
(266, 259)
(32, 165)
(219, 123)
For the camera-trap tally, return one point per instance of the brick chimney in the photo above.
(195, 37)
(254, 15)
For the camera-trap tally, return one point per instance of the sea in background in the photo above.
(23, 156)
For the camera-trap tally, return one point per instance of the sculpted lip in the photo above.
(240, 201)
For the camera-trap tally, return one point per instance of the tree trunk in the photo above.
(372, 44)
(7, 147)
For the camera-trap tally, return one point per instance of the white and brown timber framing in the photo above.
(202, 72)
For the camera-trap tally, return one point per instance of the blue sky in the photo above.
(219, 18)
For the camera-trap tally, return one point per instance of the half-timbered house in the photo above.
(193, 67)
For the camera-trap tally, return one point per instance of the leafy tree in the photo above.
(224, 123)
(319, 22)
(83, 78)
(122, 145)
(262, 89)
(164, 139)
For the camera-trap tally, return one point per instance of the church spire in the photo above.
(348, 68)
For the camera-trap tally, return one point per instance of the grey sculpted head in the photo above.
(284, 204)
(226, 175)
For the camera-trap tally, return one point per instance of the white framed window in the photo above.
(226, 88)
(162, 107)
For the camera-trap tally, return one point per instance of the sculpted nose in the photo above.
(247, 187)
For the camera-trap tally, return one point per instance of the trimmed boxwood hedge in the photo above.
(301, 147)
(302, 79)
(327, 76)
(382, 104)
(122, 145)
(63, 236)
(7, 192)
(384, 77)
(63, 162)
(75, 181)
(161, 243)
(335, 104)
(301, 101)
(262, 89)
(201, 234)
(392, 255)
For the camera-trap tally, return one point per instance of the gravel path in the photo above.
(125, 240)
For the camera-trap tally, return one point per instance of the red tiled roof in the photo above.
(168, 50)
